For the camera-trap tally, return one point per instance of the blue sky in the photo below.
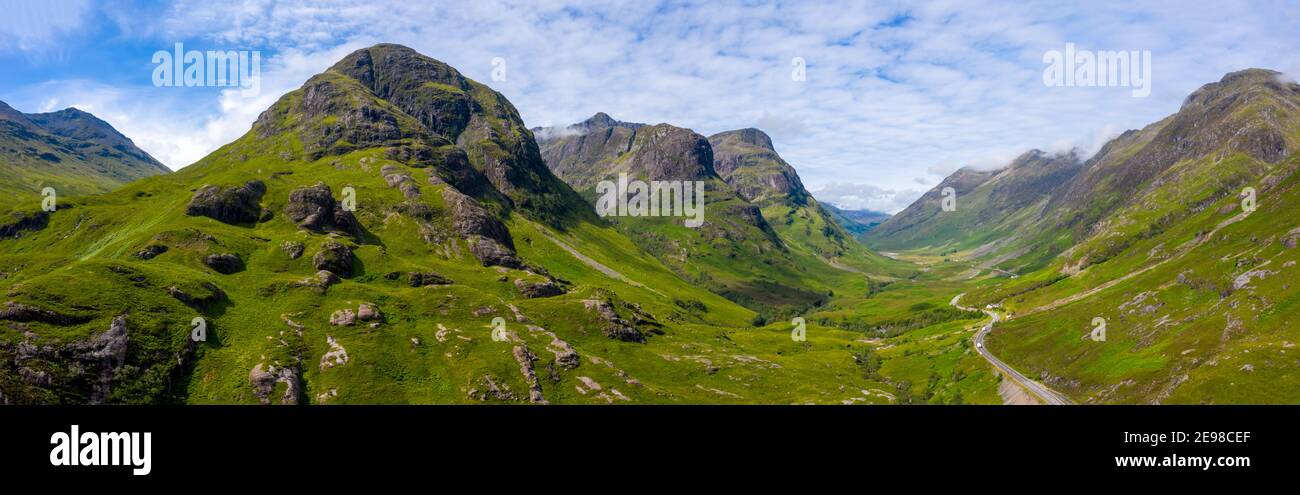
(897, 94)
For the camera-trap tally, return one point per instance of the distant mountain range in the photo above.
(857, 222)
(70, 150)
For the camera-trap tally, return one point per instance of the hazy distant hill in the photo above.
(70, 150)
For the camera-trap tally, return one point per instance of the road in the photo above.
(1039, 390)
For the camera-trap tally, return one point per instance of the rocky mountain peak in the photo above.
(77, 124)
(601, 119)
(1239, 85)
(746, 159)
(429, 115)
(668, 152)
(748, 136)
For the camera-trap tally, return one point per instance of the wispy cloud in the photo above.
(895, 91)
(37, 26)
(851, 196)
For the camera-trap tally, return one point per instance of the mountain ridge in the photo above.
(70, 150)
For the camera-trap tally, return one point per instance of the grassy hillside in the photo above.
(464, 274)
(1153, 238)
(769, 247)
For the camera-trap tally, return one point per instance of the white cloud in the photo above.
(37, 25)
(953, 84)
(851, 196)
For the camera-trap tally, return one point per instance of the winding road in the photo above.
(1045, 394)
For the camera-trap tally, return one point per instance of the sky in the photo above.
(893, 96)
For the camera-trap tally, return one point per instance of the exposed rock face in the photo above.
(89, 368)
(314, 208)
(365, 312)
(343, 318)
(368, 312)
(401, 76)
(335, 257)
(421, 279)
(617, 327)
(672, 153)
(1289, 239)
(336, 356)
(151, 251)
(108, 351)
(24, 222)
(525, 358)
(565, 355)
(320, 282)
(545, 288)
(489, 239)
(570, 151)
(487, 388)
(215, 295)
(225, 263)
(583, 154)
(232, 205)
(16, 311)
(426, 114)
(293, 249)
(263, 378)
(746, 159)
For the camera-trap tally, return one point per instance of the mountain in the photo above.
(989, 206)
(69, 150)
(856, 222)
(1155, 239)
(389, 233)
(736, 252)
(746, 159)
(764, 238)
(749, 163)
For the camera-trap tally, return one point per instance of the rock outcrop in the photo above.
(488, 237)
(335, 257)
(314, 208)
(232, 205)
(107, 351)
(545, 288)
(224, 263)
(263, 378)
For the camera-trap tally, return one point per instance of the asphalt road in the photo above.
(1039, 390)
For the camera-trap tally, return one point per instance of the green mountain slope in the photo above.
(990, 207)
(775, 251)
(388, 233)
(1153, 238)
(747, 161)
(69, 150)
